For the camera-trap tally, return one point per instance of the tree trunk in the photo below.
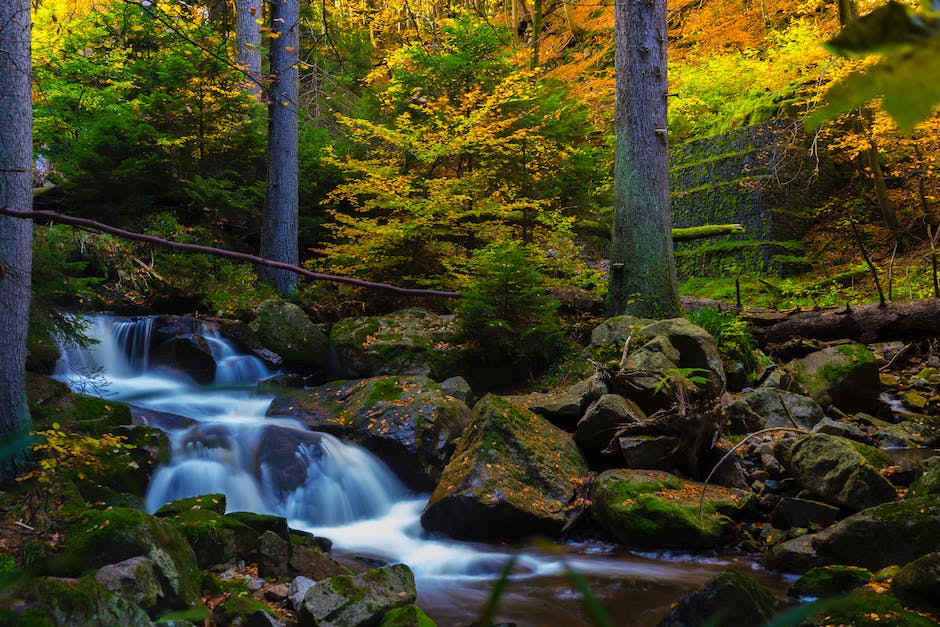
(16, 157)
(536, 33)
(248, 41)
(280, 223)
(642, 274)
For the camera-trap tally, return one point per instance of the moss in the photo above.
(865, 609)
(214, 537)
(384, 389)
(407, 616)
(237, 608)
(830, 581)
(210, 502)
(855, 355)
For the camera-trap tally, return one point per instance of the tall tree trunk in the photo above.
(536, 33)
(643, 274)
(280, 223)
(16, 192)
(248, 41)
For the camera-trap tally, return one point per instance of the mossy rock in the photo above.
(768, 407)
(927, 479)
(241, 609)
(212, 502)
(653, 509)
(563, 407)
(512, 476)
(97, 538)
(407, 616)
(830, 581)
(919, 580)
(263, 522)
(845, 376)
(864, 609)
(67, 602)
(285, 329)
(357, 600)
(51, 401)
(732, 599)
(214, 537)
(840, 471)
(406, 342)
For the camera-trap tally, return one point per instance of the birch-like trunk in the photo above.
(16, 159)
(643, 274)
(280, 223)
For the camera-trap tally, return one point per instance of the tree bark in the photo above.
(280, 223)
(248, 41)
(643, 274)
(16, 158)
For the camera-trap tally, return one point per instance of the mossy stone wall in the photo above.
(762, 177)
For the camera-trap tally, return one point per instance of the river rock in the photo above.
(273, 556)
(768, 407)
(357, 601)
(406, 342)
(596, 432)
(215, 537)
(891, 533)
(97, 538)
(799, 513)
(842, 428)
(863, 606)
(512, 475)
(458, 388)
(927, 478)
(286, 330)
(407, 421)
(647, 509)
(830, 581)
(61, 602)
(298, 590)
(646, 375)
(732, 599)
(563, 408)
(189, 354)
(134, 579)
(615, 331)
(845, 376)
(697, 348)
(649, 452)
(840, 471)
(919, 579)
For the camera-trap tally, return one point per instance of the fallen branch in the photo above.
(84, 223)
(686, 234)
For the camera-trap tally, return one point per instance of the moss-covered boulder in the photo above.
(919, 580)
(830, 581)
(244, 611)
(56, 602)
(864, 608)
(732, 599)
(407, 616)
(564, 407)
(927, 478)
(697, 348)
(407, 342)
(767, 407)
(845, 376)
(134, 579)
(407, 421)
(285, 329)
(917, 431)
(615, 331)
(512, 476)
(841, 471)
(891, 533)
(96, 538)
(214, 537)
(654, 509)
(357, 601)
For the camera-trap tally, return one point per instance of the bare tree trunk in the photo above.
(16, 157)
(280, 223)
(248, 41)
(536, 33)
(643, 274)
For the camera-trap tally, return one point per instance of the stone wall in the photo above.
(762, 177)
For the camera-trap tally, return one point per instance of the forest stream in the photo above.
(218, 432)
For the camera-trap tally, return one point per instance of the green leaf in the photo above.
(883, 30)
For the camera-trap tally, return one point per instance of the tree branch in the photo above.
(84, 223)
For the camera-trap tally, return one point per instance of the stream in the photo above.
(223, 445)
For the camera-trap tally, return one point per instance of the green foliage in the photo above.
(505, 307)
(732, 335)
(63, 455)
(907, 76)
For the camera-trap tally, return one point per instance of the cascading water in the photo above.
(224, 444)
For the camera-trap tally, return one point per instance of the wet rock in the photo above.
(830, 581)
(840, 471)
(919, 579)
(653, 509)
(845, 376)
(927, 478)
(134, 579)
(189, 354)
(281, 456)
(310, 561)
(511, 476)
(768, 407)
(406, 342)
(730, 600)
(793, 512)
(596, 431)
(259, 523)
(286, 330)
(563, 408)
(358, 601)
(917, 431)
(649, 452)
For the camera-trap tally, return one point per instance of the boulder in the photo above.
(134, 579)
(596, 432)
(842, 428)
(97, 538)
(647, 509)
(919, 580)
(840, 471)
(732, 599)
(458, 388)
(830, 581)
(407, 421)
(647, 375)
(512, 475)
(791, 513)
(863, 607)
(273, 556)
(845, 376)
(407, 616)
(891, 533)
(48, 601)
(927, 478)
(649, 452)
(298, 590)
(768, 407)
(357, 601)
(189, 354)
(215, 537)
(563, 408)
(311, 562)
(286, 330)
(407, 342)
(616, 330)
(697, 348)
